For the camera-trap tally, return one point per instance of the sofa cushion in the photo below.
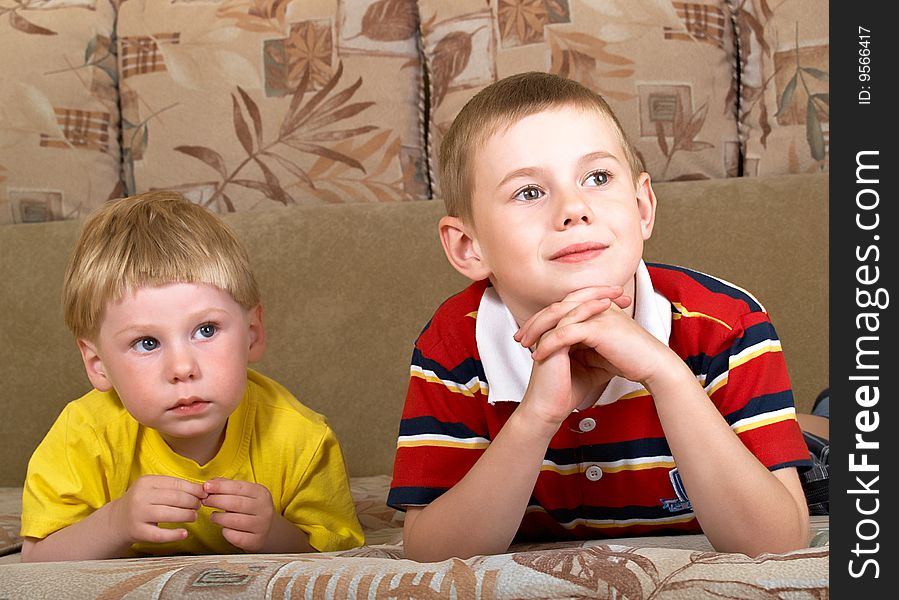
(59, 150)
(242, 104)
(784, 100)
(667, 69)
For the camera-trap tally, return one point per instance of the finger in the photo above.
(622, 301)
(164, 482)
(159, 535)
(542, 321)
(249, 542)
(169, 514)
(237, 521)
(563, 338)
(174, 498)
(233, 503)
(234, 487)
(612, 293)
(577, 312)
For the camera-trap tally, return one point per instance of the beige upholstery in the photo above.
(347, 288)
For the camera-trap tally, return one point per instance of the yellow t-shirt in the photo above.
(96, 450)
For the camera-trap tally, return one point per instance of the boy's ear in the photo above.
(257, 334)
(646, 204)
(462, 249)
(93, 364)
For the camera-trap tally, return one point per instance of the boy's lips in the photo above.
(190, 406)
(578, 252)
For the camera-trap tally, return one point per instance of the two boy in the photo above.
(180, 447)
(571, 391)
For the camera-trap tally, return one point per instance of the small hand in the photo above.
(154, 499)
(609, 340)
(577, 306)
(567, 376)
(246, 513)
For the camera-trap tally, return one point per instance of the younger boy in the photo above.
(180, 448)
(574, 391)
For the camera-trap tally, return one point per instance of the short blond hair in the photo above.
(501, 105)
(151, 239)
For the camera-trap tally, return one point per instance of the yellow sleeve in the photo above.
(324, 506)
(66, 477)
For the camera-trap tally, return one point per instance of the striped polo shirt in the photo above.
(608, 471)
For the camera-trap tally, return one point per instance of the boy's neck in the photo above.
(201, 450)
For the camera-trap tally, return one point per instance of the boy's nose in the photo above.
(182, 366)
(573, 210)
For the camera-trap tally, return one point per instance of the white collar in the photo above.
(507, 364)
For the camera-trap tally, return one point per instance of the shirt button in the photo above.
(587, 424)
(593, 473)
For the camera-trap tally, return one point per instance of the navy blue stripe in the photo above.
(399, 497)
(799, 464)
(762, 404)
(712, 284)
(753, 335)
(614, 513)
(464, 372)
(425, 425)
(699, 364)
(609, 452)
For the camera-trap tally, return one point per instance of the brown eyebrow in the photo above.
(535, 171)
(523, 172)
(598, 155)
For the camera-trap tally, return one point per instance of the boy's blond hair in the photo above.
(501, 105)
(151, 239)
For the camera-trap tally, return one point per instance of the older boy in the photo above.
(180, 448)
(573, 391)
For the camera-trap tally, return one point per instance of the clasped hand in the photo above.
(578, 344)
(245, 510)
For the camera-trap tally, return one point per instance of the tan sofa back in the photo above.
(347, 288)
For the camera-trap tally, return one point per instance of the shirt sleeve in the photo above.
(65, 481)
(324, 507)
(750, 385)
(444, 429)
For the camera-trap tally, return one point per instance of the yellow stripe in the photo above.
(750, 356)
(442, 444)
(682, 311)
(473, 314)
(575, 469)
(683, 519)
(721, 383)
(635, 394)
(459, 389)
(764, 422)
(639, 467)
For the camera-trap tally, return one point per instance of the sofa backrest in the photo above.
(209, 98)
(347, 288)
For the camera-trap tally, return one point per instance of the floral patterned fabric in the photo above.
(59, 122)
(666, 68)
(670, 567)
(243, 104)
(784, 99)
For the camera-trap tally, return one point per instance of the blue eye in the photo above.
(146, 344)
(529, 194)
(207, 330)
(599, 178)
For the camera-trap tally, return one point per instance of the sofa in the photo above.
(311, 127)
(346, 289)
